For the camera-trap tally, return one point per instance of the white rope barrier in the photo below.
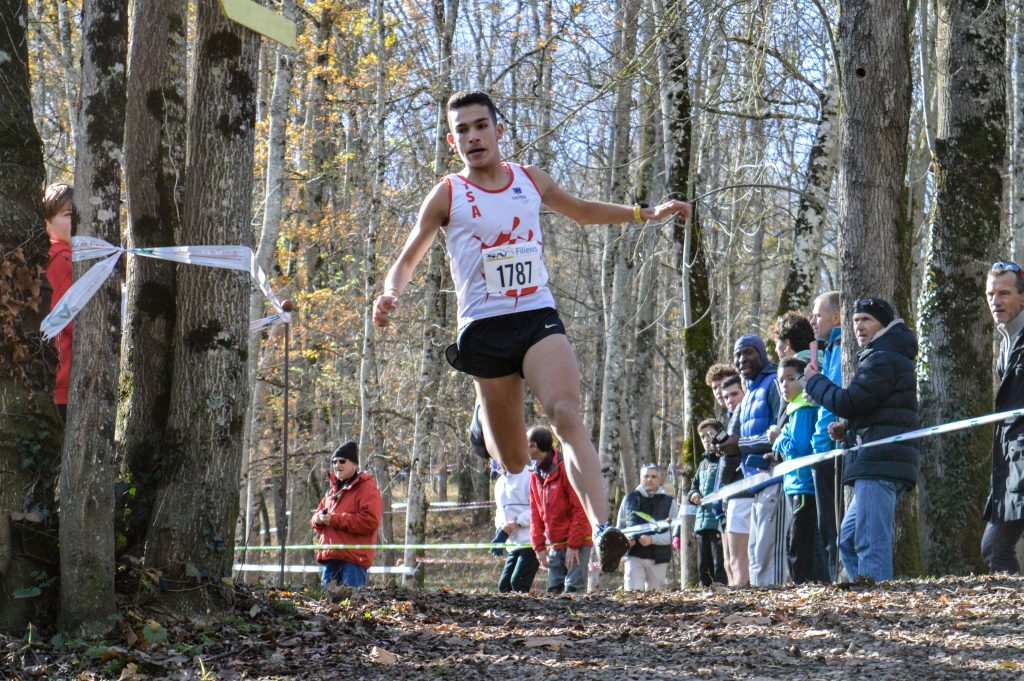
(238, 258)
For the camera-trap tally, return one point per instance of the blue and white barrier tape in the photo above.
(791, 465)
(240, 258)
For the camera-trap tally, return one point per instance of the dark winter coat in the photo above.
(879, 402)
(1006, 494)
(704, 484)
(660, 506)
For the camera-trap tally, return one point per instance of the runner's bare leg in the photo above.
(501, 419)
(554, 377)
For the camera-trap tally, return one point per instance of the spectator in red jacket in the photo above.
(57, 209)
(559, 529)
(349, 513)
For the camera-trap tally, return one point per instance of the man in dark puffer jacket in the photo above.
(880, 401)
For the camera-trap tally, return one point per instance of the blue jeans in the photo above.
(560, 579)
(865, 538)
(348, 574)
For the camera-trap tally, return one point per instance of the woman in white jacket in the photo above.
(512, 517)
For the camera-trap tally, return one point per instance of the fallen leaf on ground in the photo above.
(553, 642)
(746, 619)
(381, 656)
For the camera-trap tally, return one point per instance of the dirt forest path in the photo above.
(955, 628)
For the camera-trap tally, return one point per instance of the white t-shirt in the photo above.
(512, 502)
(495, 247)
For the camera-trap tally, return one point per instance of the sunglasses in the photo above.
(1005, 266)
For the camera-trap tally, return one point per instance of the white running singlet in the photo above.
(495, 247)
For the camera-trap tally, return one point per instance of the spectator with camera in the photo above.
(710, 556)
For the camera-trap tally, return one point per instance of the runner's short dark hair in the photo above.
(464, 98)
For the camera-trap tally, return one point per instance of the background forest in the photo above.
(868, 146)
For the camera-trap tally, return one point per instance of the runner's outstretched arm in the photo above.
(433, 214)
(598, 212)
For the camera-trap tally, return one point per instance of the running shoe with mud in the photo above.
(611, 545)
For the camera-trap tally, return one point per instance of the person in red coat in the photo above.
(349, 513)
(57, 209)
(559, 528)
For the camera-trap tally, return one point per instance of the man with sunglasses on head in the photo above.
(879, 402)
(1004, 511)
(649, 554)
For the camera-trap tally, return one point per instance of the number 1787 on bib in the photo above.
(512, 267)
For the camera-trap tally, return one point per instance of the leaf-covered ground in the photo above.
(955, 628)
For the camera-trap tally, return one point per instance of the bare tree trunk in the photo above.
(434, 312)
(809, 229)
(876, 94)
(191, 535)
(273, 205)
(88, 467)
(615, 459)
(875, 50)
(434, 306)
(640, 413)
(369, 390)
(956, 327)
(67, 55)
(154, 172)
(691, 257)
(28, 420)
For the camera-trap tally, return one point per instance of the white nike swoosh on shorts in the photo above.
(550, 326)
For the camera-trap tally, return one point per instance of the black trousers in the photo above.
(825, 476)
(804, 552)
(710, 560)
(520, 568)
(999, 546)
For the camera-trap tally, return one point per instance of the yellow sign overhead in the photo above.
(264, 21)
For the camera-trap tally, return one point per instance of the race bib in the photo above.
(513, 267)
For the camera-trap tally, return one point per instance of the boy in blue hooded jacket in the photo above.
(791, 439)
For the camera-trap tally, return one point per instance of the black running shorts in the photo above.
(495, 346)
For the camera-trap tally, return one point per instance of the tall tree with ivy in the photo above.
(956, 328)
